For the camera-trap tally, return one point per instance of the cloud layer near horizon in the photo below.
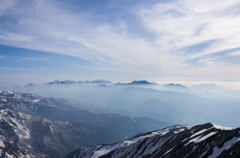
(177, 39)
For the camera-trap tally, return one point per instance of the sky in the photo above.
(118, 40)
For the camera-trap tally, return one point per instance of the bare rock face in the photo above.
(206, 141)
(23, 134)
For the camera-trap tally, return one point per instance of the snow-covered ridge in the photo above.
(108, 148)
(200, 136)
(9, 97)
(18, 96)
(183, 141)
(222, 128)
(7, 92)
(100, 150)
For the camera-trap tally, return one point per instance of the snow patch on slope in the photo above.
(217, 151)
(104, 151)
(8, 92)
(36, 100)
(4, 100)
(199, 132)
(1, 143)
(199, 138)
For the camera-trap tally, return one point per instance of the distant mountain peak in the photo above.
(140, 82)
(175, 85)
(176, 88)
(30, 85)
(66, 82)
(101, 81)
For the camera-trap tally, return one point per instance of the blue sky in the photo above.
(43, 40)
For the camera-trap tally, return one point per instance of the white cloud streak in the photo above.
(39, 4)
(14, 69)
(15, 37)
(237, 53)
(33, 59)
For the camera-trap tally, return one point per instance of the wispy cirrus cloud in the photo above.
(167, 37)
(237, 53)
(182, 24)
(15, 37)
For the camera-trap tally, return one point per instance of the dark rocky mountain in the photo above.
(206, 140)
(32, 136)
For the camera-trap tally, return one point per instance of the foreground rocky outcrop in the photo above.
(205, 141)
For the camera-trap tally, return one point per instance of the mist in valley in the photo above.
(171, 103)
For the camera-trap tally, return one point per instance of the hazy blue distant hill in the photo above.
(61, 82)
(30, 85)
(159, 110)
(176, 88)
(215, 92)
(207, 87)
(66, 82)
(194, 109)
(100, 81)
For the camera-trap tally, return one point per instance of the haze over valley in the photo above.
(172, 103)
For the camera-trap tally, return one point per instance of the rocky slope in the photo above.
(22, 134)
(205, 141)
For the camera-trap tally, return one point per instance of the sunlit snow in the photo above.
(222, 128)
